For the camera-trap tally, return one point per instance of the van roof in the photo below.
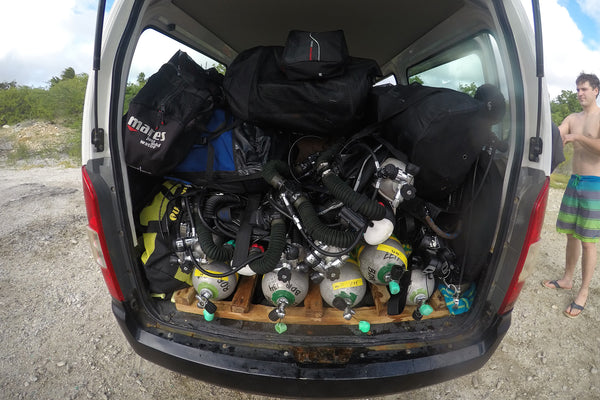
(378, 29)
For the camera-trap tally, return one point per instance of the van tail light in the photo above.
(529, 251)
(97, 238)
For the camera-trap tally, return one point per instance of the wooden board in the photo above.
(311, 313)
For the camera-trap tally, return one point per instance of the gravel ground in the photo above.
(60, 340)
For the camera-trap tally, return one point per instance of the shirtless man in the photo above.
(579, 215)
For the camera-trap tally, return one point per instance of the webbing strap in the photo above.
(242, 239)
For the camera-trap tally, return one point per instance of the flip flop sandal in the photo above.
(553, 283)
(573, 306)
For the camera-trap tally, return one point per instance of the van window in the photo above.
(464, 68)
(152, 51)
(462, 74)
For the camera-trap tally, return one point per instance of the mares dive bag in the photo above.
(258, 90)
(156, 130)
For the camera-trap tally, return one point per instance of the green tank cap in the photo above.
(280, 327)
(208, 316)
(364, 326)
(394, 287)
(425, 309)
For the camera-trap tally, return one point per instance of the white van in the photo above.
(368, 251)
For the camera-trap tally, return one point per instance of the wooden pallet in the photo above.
(313, 311)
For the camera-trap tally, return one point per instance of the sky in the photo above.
(40, 38)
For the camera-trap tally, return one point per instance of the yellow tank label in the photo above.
(197, 272)
(347, 284)
(394, 251)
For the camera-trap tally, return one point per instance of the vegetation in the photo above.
(564, 104)
(62, 103)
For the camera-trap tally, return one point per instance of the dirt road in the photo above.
(59, 339)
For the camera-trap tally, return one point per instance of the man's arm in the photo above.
(564, 127)
(591, 144)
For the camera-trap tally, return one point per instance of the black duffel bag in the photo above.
(314, 55)
(157, 133)
(258, 91)
(442, 131)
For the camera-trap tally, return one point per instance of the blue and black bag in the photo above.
(229, 155)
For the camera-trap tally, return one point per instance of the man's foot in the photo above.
(574, 310)
(557, 284)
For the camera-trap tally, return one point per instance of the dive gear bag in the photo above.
(314, 55)
(156, 131)
(442, 132)
(258, 91)
(229, 155)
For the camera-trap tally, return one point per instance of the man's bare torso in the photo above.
(585, 162)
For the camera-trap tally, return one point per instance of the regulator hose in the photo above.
(273, 172)
(339, 189)
(369, 208)
(318, 230)
(222, 253)
(272, 255)
(441, 233)
(212, 203)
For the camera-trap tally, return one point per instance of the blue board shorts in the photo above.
(579, 213)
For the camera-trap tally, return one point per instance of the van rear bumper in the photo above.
(240, 369)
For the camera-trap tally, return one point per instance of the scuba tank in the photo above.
(284, 293)
(419, 291)
(215, 288)
(383, 264)
(346, 292)
(350, 287)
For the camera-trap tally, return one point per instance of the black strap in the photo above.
(242, 239)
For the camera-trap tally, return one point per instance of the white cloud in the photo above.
(565, 54)
(41, 38)
(591, 8)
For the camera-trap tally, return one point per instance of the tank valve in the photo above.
(345, 305)
(423, 309)
(278, 313)
(398, 180)
(204, 302)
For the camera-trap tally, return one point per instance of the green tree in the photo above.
(66, 99)
(564, 104)
(220, 68)
(68, 73)
(141, 79)
(22, 103)
(561, 106)
(8, 85)
(132, 89)
(469, 89)
(415, 79)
